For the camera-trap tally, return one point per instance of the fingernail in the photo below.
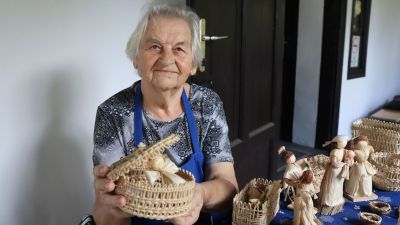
(110, 186)
(121, 201)
(103, 169)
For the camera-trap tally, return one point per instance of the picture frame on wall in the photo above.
(358, 38)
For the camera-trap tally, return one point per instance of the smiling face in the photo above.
(165, 59)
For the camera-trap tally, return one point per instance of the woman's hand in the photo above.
(106, 209)
(193, 215)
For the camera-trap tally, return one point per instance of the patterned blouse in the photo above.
(114, 129)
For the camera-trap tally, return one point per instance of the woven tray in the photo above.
(388, 175)
(245, 213)
(383, 136)
(158, 201)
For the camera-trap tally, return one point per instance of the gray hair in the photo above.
(185, 13)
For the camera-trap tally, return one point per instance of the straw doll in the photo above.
(359, 186)
(294, 170)
(331, 199)
(304, 213)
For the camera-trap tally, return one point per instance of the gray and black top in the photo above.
(113, 132)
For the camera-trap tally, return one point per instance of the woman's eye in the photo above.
(155, 47)
(180, 50)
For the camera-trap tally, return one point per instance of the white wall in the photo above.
(58, 61)
(382, 81)
(307, 71)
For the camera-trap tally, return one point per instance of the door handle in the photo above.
(203, 39)
(213, 38)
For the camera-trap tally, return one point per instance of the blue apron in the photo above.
(194, 164)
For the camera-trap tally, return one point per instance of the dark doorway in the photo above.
(289, 69)
(246, 71)
(331, 70)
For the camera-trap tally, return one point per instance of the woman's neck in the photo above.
(162, 105)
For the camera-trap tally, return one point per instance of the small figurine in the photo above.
(359, 186)
(294, 170)
(304, 213)
(331, 199)
(398, 221)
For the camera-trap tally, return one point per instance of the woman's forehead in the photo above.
(167, 26)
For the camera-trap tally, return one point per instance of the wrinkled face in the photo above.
(165, 59)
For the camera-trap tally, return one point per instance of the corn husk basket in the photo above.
(379, 208)
(152, 201)
(318, 166)
(383, 136)
(370, 218)
(388, 166)
(262, 212)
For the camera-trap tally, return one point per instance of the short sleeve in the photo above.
(107, 145)
(216, 146)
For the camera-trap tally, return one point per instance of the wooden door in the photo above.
(245, 70)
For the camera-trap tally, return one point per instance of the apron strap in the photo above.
(137, 120)
(191, 123)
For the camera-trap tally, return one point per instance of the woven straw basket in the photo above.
(370, 218)
(158, 201)
(246, 213)
(318, 166)
(383, 136)
(388, 175)
(379, 207)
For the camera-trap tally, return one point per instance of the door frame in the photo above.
(333, 37)
(289, 69)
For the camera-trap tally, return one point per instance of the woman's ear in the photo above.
(193, 71)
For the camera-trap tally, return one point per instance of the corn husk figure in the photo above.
(331, 199)
(398, 222)
(293, 171)
(161, 167)
(304, 213)
(359, 185)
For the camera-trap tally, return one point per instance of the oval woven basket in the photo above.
(379, 207)
(370, 218)
(158, 201)
(388, 176)
(383, 136)
(262, 212)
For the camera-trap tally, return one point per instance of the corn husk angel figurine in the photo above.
(293, 171)
(331, 199)
(304, 213)
(359, 186)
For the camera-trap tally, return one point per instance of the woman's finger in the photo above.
(100, 171)
(112, 200)
(103, 185)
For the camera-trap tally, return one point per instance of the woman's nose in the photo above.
(167, 57)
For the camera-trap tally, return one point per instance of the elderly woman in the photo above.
(164, 48)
